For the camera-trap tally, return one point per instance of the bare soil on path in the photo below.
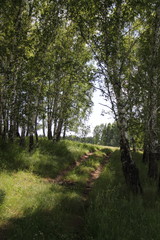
(60, 178)
(94, 175)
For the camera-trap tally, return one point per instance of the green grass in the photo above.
(81, 173)
(47, 160)
(114, 213)
(31, 207)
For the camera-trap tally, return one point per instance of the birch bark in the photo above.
(130, 171)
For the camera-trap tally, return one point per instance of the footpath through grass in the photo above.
(33, 207)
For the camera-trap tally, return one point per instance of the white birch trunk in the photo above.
(129, 168)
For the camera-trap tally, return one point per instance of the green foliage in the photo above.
(107, 135)
(44, 65)
(80, 139)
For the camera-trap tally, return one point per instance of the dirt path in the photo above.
(95, 175)
(74, 209)
(77, 221)
(59, 179)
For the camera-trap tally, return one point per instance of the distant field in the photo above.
(112, 148)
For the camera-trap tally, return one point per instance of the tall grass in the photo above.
(114, 213)
(46, 160)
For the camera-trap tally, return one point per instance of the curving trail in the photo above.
(60, 178)
(73, 203)
(95, 175)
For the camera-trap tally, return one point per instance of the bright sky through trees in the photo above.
(97, 116)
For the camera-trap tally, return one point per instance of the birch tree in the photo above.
(108, 28)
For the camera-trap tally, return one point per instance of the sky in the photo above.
(96, 117)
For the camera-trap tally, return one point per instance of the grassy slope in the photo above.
(47, 160)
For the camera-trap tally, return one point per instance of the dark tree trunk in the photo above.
(55, 129)
(131, 172)
(133, 144)
(49, 129)
(43, 127)
(31, 142)
(58, 136)
(36, 134)
(154, 152)
(1, 122)
(153, 165)
(145, 158)
(27, 132)
(31, 134)
(11, 132)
